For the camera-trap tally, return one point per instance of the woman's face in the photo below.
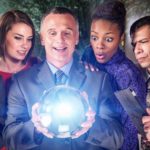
(18, 42)
(105, 39)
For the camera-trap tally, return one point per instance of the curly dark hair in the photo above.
(111, 10)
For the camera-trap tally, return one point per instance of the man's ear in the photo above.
(42, 40)
(77, 38)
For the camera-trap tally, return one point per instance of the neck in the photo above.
(58, 64)
(11, 66)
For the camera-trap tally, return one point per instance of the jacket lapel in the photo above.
(45, 76)
(76, 78)
(77, 75)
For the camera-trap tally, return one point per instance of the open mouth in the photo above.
(100, 56)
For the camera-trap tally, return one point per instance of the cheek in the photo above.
(148, 49)
(110, 52)
(93, 44)
(11, 45)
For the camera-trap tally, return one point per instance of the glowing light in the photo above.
(64, 110)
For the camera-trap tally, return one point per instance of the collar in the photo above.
(147, 74)
(66, 68)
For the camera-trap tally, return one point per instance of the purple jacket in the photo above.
(124, 74)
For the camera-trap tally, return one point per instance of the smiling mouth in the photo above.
(60, 49)
(22, 52)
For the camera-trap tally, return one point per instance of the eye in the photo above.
(18, 37)
(144, 41)
(52, 33)
(93, 38)
(67, 33)
(30, 39)
(109, 39)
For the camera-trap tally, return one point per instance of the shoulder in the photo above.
(95, 73)
(30, 72)
(34, 60)
(126, 67)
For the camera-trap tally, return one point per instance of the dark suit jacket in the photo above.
(27, 88)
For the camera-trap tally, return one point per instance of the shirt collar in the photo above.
(66, 68)
(147, 74)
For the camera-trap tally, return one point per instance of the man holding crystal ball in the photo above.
(25, 126)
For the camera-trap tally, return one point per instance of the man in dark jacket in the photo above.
(59, 35)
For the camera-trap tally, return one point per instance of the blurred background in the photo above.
(35, 9)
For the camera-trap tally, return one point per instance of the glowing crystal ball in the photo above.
(63, 110)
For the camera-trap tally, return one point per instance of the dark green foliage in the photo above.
(83, 8)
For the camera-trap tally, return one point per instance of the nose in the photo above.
(60, 38)
(100, 44)
(138, 49)
(25, 44)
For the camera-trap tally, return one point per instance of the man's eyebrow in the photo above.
(53, 29)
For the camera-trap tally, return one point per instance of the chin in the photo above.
(101, 61)
(145, 65)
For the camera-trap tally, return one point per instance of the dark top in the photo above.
(5, 79)
(126, 74)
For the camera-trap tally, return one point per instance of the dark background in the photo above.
(35, 9)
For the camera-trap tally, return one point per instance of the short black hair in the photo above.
(139, 23)
(111, 10)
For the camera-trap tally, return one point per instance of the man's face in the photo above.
(59, 35)
(141, 46)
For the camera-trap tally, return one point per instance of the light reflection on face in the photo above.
(59, 35)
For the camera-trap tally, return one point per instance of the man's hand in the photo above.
(36, 119)
(85, 126)
(146, 122)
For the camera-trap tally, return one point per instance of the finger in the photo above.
(90, 113)
(87, 124)
(148, 111)
(35, 108)
(86, 65)
(85, 95)
(97, 70)
(79, 133)
(49, 134)
(91, 67)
